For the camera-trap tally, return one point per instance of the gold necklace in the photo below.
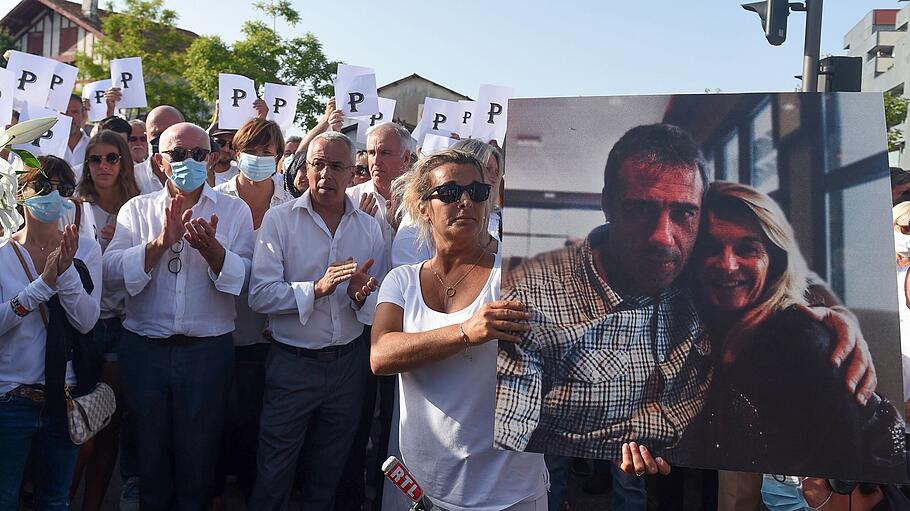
(450, 290)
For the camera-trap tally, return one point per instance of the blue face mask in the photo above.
(188, 174)
(48, 208)
(257, 168)
(783, 496)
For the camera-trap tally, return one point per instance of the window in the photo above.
(730, 151)
(68, 37)
(35, 44)
(764, 154)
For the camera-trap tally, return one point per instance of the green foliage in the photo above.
(145, 29)
(28, 159)
(264, 56)
(280, 9)
(6, 43)
(895, 114)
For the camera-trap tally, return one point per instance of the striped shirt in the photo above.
(597, 368)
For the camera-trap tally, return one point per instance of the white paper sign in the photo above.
(62, 82)
(441, 117)
(418, 132)
(466, 124)
(94, 92)
(33, 76)
(435, 143)
(282, 103)
(127, 74)
(490, 113)
(7, 85)
(53, 142)
(236, 95)
(355, 91)
(386, 114)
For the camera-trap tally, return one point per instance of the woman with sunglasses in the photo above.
(258, 144)
(433, 327)
(107, 183)
(45, 282)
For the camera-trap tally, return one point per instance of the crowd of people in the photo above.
(290, 311)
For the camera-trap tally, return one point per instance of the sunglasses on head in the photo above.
(140, 138)
(452, 192)
(95, 159)
(44, 186)
(179, 154)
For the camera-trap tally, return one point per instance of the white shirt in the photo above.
(76, 156)
(146, 179)
(446, 436)
(294, 247)
(194, 302)
(22, 340)
(904, 314)
(227, 175)
(250, 325)
(112, 300)
(87, 225)
(407, 248)
(388, 234)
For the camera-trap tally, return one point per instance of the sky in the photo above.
(545, 48)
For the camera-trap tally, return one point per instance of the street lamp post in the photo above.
(813, 45)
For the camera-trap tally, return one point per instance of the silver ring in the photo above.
(639, 473)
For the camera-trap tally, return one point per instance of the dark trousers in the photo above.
(311, 409)
(178, 391)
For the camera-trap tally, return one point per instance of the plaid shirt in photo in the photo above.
(597, 369)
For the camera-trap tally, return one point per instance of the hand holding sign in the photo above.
(126, 74)
(94, 92)
(441, 117)
(355, 88)
(236, 94)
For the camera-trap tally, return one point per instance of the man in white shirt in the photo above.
(78, 140)
(182, 254)
(316, 263)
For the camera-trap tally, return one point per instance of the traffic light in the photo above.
(773, 14)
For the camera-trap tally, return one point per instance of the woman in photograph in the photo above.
(775, 399)
(51, 277)
(107, 183)
(436, 326)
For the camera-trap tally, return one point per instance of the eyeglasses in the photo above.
(174, 265)
(95, 159)
(154, 143)
(44, 186)
(179, 154)
(319, 165)
(362, 170)
(141, 138)
(452, 192)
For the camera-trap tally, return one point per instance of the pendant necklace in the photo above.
(450, 290)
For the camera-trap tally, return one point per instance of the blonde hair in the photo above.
(901, 214)
(786, 283)
(419, 183)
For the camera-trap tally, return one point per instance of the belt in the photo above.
(34, 392)
(177, 340)
(326, 354)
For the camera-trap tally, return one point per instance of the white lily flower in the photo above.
(26, 131)
(10, 219)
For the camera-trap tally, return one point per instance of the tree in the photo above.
(264, 56)
(6, 43)
(895, 114)
(145, 29)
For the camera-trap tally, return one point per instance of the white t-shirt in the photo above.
(446, 427)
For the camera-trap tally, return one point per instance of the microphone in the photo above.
(396, 472)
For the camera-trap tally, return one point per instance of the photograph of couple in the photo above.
(726, 299)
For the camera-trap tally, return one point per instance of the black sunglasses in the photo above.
(362, 170)
(154, 143)
(140, 138)
(95, 159)
(451, 192)
(179, 154)
(44, 186)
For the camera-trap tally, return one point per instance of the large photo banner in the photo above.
(698, 269)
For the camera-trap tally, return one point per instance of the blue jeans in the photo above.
(178, 392)
(22, 424)
(628, 491)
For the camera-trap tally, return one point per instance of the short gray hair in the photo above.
(404, 136)
(482, 151)
(333, 136)
(137, 122)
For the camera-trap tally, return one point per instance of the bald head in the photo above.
(186, 135)
(161, 118)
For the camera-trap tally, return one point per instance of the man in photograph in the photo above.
(617, 352)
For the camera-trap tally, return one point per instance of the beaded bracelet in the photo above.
(464, 337)
(18, 309)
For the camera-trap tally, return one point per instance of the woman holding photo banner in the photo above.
(776, 402)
